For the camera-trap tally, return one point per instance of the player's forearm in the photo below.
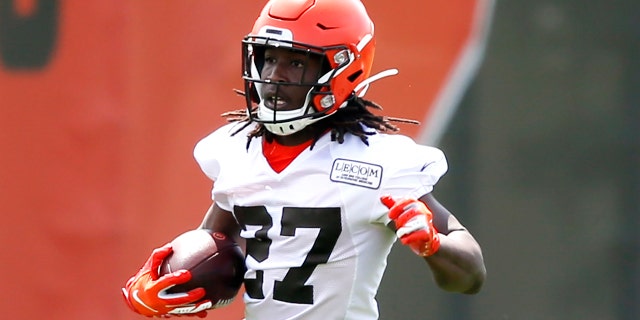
(458, 266)
(217, 219)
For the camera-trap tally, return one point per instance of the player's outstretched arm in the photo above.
(431, 231)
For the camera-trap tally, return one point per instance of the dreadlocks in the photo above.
(349, 119)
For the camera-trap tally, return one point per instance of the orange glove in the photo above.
(414, 224)
(146, 292)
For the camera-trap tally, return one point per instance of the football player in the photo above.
(315, 186)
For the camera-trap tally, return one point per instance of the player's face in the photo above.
(284, 65)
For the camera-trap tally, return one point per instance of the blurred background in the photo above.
(535, 103)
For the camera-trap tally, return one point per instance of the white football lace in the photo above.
(223, 302)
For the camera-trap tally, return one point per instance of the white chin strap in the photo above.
(282, 127)
(286, 127)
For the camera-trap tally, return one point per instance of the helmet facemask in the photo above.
(320, 101)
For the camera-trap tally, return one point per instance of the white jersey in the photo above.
(317, 235)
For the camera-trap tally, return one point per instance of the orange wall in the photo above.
(100, 106)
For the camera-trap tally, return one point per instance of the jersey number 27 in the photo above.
(292, 288)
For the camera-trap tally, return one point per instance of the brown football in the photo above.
(215, 261)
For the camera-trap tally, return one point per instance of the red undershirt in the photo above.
(280, 156)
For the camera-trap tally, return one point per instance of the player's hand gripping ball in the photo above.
(146, 292)
(197, 271)
(414, 224)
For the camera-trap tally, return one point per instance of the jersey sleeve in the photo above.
(211, 154)
(206, 156)
(419, 174)
(411, 170)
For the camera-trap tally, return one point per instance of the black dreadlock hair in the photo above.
(348, 119)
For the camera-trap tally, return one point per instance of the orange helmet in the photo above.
(339, 30)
